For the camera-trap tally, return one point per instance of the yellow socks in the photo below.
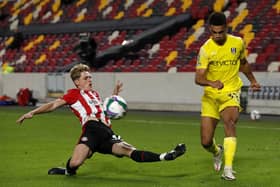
(229, 150)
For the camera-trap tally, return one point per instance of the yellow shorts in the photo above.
(213, 103)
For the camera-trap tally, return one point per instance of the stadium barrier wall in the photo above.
(143, 91)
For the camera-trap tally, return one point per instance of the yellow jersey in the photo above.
(222, 62)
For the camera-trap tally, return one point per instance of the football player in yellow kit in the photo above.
(219, 61)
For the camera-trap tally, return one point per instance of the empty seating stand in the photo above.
(258, 22)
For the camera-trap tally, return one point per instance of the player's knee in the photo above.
(230, 124)
(127, 146)
(122, 149)
(231, 120)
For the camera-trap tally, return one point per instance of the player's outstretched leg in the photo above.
(146, 156)
(179, 150)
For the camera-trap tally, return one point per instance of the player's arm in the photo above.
(48, 107)
(246, 70)
(200, 79)
(118, 88)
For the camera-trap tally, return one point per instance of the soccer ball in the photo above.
(115, 107)
(255, 115)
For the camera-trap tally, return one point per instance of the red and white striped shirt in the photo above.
(86, 104)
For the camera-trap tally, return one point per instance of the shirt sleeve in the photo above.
(242, 49)
(71, 96)
(202, 59)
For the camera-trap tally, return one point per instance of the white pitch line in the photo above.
(194, 124)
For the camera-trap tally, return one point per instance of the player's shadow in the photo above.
(154, 174)
(171, 174)
(79, 179)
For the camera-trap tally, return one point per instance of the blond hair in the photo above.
(76, 71)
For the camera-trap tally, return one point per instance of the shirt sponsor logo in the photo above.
(233, 50)
(223, 63)
(93, 102)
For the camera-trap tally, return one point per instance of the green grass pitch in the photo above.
(28, 151)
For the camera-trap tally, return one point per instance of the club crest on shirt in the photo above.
(233, 50)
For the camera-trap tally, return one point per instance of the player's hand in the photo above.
(255, 86)
(217, 84)
(118, 88)
(23, 117)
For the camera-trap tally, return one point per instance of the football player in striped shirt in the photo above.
(97, 135)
